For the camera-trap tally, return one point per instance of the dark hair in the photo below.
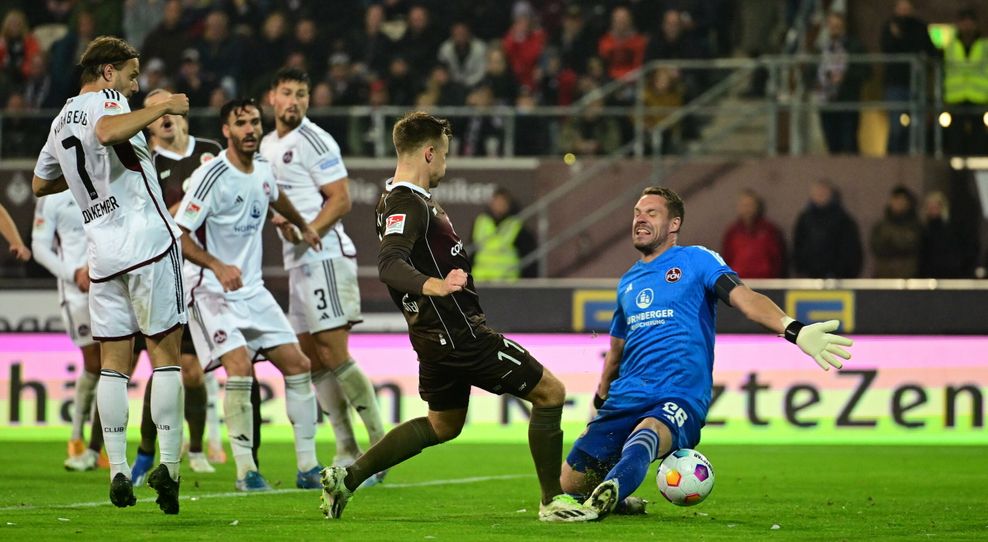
(290, 74)
(418, 128)
(102, 51)
(759, 202)
(967, 13)
(234, 105)
(674, 204)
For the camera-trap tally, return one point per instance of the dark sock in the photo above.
(255, 403)
(96, 434)
(195, 414)
(148, 431)
(638, 453)
(545, 440)
(399, 444)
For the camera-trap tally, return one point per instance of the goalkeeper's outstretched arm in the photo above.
(815, 340)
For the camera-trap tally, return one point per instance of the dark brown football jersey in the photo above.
(174, 169)
(418, 241)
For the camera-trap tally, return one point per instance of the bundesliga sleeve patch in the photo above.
(328, 163)
(192, 211)
(395, 224)
(111, 105)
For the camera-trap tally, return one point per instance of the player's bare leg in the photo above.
(334, 355)
(545, 440)
(79, 457)
(333, 402)
(403, 442)
(111, 400)
(167, 402)
(300, 401)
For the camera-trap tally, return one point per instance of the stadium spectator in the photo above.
(65, 55)
(903, 33)
(752, 245)
(523, 44)
(37, 88)
(663, 89)
(488, 18)
(557, 85)
(152, 77)
(310, 43)
(947, 251)
(965, 82)
(107, 15)
(897, 237)
(401, 86)
(499, 77)
(348, 89)
(675, 43)
(531, 131)
(192, 82)
(169, 39)
(369, 46)
(140, 17)
(221, 53)
(575, 42)
(483, 134)
(420, 44)
(501, 241)
(591, 132)
(18, 47)
(840, 81)
(441, 90)
(622, 48)
(464, 55)
(268, 51)
(826, 242)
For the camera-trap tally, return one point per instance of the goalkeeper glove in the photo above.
(598, 401)
(816, 341)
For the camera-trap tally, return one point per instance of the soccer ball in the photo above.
(685, 477)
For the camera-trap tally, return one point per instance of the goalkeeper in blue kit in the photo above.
(655, 388)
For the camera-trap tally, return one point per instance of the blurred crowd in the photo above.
(913, 239)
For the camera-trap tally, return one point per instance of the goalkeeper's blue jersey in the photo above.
(666, 313)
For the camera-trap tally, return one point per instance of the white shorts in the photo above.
(324, 295)
(220, 325)
(75, 315)
(147, 300)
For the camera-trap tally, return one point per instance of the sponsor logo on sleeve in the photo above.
(111, 105)
(39, 222)
(205, 157)
(395, 224)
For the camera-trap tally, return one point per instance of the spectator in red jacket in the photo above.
(753, 246)
(622, 48)
(523, 44)
(18, 46)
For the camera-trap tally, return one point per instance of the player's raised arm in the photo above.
(815, 340)
(113, 129)
(400, 226)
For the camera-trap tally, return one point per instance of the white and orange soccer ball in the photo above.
(685, 477)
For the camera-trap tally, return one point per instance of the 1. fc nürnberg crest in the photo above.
(674, 274)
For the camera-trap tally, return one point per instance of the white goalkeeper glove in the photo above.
(816, 341)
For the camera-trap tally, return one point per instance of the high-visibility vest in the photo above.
(965, 77)
(495, 256)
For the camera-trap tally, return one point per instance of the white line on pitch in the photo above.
(232, 494)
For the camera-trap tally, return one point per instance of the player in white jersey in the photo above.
(234, 317)
(324, 300)
(59, 244)
(96, 149)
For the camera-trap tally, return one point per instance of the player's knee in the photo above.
(447, 432)
(550, 391)
(571, 480)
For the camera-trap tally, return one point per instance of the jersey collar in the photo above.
(175, 156)
(390, 185)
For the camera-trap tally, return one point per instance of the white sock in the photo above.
(114, 409)
(167, 412)
(300, 402)
(334, 405)
(212, 410)
(240, 422)
(85, 386)
(360, 393)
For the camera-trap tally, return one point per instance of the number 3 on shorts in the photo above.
(674, 414)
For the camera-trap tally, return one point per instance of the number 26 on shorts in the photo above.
(674, 414)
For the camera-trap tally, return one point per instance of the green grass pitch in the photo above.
(475, 490)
